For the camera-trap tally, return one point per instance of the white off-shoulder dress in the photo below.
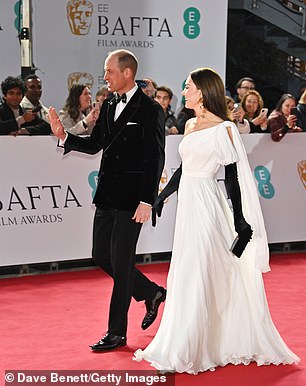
(216, 312)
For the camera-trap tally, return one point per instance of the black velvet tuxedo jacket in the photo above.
(9, 124)
(133, 152)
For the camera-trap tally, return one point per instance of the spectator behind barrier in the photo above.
(14, 120)
(164, 97)
(252, 103)
(102, 94)
(283, 118)
(243, 85)
(31, 99)
(236, 114)
(77, 117)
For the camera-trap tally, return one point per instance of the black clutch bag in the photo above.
(239, 245)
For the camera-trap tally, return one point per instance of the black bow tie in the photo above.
(121, 98)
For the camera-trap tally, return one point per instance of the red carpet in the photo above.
(48, 321)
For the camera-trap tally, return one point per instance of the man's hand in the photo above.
(173, 130)
(56, 124)
(22, 131)
(142, 213)
(150, 90)
(28, 116)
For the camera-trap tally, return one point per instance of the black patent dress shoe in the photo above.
(152, 308)
(109, 342)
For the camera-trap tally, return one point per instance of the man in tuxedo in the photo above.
(130, 130)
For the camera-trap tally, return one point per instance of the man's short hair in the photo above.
(31, 76)
(246, 78)
(126, 59)
(165, 89)
(11, 82)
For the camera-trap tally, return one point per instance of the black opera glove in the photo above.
(241, 226)
(170, 188)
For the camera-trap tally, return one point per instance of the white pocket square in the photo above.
(132, 123)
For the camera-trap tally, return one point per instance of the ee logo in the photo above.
(93, 182)
(263, 176)
(191, 27)
(18, 14)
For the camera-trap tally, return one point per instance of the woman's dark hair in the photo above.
(10, 82)
(282, 99)
(72, 104)
(212, 89)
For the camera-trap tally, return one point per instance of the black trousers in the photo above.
(115, 236)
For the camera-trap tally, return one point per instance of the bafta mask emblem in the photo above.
(80, 78)
(79, 15)
(301, 167)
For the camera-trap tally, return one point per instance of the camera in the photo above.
(141, 83)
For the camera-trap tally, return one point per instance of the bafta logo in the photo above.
(80, 78)
(79, 15)
(301, 167)
(163, 182)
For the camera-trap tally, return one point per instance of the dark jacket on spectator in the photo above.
(9, 124)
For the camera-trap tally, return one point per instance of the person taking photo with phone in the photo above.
(283, 118)
(77, 116)
(252, 103)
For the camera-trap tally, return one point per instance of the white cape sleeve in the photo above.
(258, 247)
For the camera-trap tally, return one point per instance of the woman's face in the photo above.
(229, 104)
(251, 104)
(85, 99)
(287, 105)
(192, 94)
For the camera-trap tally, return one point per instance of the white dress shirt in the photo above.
(120, 106)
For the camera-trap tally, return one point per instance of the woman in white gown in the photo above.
(216, 310)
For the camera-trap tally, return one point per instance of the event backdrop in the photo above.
(71, 40)
(45, 198)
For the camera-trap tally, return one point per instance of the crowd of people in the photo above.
(248, 111)
(23, 113)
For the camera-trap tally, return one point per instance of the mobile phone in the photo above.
(141, 83)
(36, 109)
(264, 111)
(294, 111)
(236, 107)
(96, 105)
